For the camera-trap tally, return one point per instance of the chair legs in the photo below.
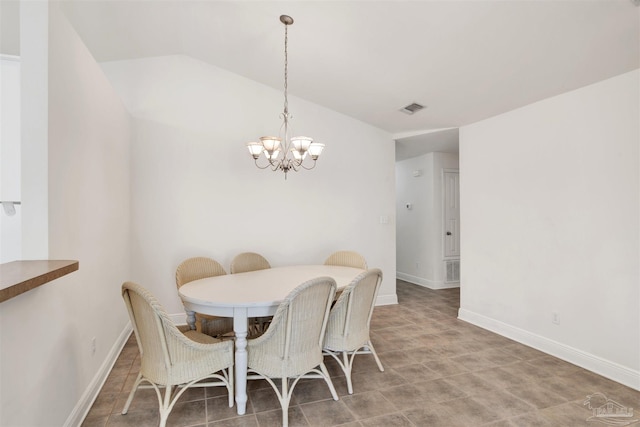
(131, 394)
(370, 349)
(285, 391)
(173, 393)
(327, 379)
(346, 364)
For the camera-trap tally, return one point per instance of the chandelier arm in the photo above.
(294, 165)
(312, 166)
(275, 165)
(262, 167)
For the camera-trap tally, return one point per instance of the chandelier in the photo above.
(284, 152)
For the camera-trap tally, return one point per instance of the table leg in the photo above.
(191, 319)
(240, 329)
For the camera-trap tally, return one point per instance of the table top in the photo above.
(261, 288)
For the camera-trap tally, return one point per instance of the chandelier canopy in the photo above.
(284, 152)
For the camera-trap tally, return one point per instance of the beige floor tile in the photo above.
(188, 413)
(143, 418)
(470, 384)
(274, 418)
(531, 419)
(368, 405)
(327, 413)
(569, 415)
(391, 420)
(446, 367)
(536, 395)
(312, 390)
(504, 404)
(434, 415)
(417, 373)
(218, 409)
(474, 362)
(470, 412)
(499, 377)
(392, 359)
(243, 421)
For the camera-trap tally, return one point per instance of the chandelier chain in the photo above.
(286, 72)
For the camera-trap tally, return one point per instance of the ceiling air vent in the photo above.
(412, 108)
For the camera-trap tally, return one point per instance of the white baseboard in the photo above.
(431, 284)
(606, 368)
(89, 396)
(387, 299)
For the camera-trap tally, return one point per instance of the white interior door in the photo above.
(451, 227)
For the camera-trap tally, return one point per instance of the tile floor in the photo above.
(439, 371)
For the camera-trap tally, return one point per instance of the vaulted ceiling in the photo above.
(464, 60)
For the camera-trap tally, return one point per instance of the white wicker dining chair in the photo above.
(198, 268)
(248, 261)
(171, 359)
(291, 348)
(347, 259)
(348, 325)
(251, 261)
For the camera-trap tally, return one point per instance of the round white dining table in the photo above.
(252, 294)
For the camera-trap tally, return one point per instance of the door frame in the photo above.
(444, 210)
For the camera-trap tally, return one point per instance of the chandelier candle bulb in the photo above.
(301, 143)
(297, 155)
(294, 149)
(272, 155)
(270, 143)
(255, 148)
(315, 150)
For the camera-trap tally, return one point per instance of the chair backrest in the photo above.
(296, 333)
(348, 324)
(347, 259)
(197, 268)
(155, 332)
(248, 261)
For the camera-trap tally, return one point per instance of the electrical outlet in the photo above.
(555, 318)
(93, 345)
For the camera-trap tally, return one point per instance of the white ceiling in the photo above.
(465, 60)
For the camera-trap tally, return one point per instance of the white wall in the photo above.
(196, 191)
(34, 117)
(550, 206)
(414, 231)
(10, 226)
(419, 250)
(47, 365)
